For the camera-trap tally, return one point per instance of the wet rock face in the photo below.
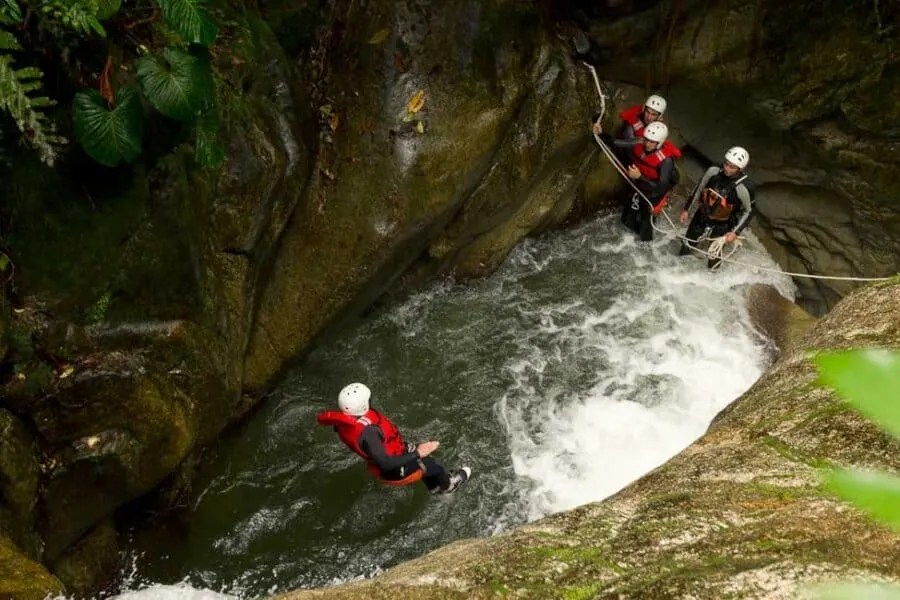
(741, 512)
(498, 150)
(810, 89)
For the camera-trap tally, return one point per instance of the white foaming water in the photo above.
(672, 350)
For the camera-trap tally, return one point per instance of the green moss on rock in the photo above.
(23, 579)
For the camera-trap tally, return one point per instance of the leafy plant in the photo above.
(869, 380)
(10, 12)
(79, 15)
(17, 87)
(190, 19)
(178, 85)
(177, 82)
(109, 136)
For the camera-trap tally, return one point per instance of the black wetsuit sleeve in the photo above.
(626, 134)
(658, 188)
(371, 443)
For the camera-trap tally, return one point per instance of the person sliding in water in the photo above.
(725, 195)
(378, 441)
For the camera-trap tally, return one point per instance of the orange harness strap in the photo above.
(411, 478)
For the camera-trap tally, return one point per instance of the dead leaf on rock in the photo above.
(420, 127)
(335, 120)
(416, 103)
(380, 36)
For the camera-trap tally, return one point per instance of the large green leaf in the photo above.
(869, 380)
(180, 85)
(857, 591)
(107, 8)
(208, 150)
(190, 19)
(876, 493)
(110, 137)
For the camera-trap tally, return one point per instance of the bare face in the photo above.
(650, 146)
(650, 115)
(730, 169)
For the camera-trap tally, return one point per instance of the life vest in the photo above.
(648, 164)
(632, 116)
(714, 198)
(349, 428)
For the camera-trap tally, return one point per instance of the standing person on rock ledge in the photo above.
(651, 167)
(378, 441)
(725, 196)
(634, 120)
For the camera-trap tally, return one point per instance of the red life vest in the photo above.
(632, 116)
(349, 428)
(648, 164)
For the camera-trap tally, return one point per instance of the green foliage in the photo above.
(869, 380)
(110, 137)
(107, 8)
(179, 85)
(17, 87)
(190, 19)
(81, 16)
(10, 12)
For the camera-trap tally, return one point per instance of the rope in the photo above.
(717, 244)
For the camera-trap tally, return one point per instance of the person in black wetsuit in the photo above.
(725, 195)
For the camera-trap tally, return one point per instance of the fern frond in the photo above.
(10, 12)
(26, 110)
(78, 15)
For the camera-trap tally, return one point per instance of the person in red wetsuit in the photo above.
(377, 440)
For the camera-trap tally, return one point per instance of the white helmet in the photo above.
(354, 399)
(657, 103)
(656, 132)
(738, 157)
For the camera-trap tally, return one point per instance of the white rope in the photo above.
(717, 244)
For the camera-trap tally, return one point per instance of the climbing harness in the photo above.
(716, 249)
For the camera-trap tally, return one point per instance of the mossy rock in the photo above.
(22, 578)
(19, 478)
(117, 431)
(92, 563)
(397, 194)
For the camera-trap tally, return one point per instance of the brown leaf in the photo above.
(398, 63)
(335, 119)
(105, 86)
(416, 103)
